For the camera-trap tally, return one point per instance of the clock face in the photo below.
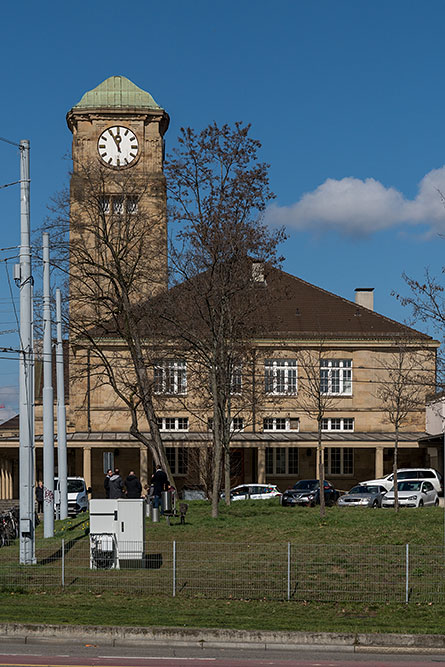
(118, 146)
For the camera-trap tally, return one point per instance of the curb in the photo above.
(34, 633)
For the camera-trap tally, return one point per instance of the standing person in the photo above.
(116, 485)
(39, 497)
(160, 484)
(107, 483)
(133, 486)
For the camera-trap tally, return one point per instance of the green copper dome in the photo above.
(117, 92)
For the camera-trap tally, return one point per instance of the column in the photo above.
(261, 453)
(87, 466)
(2, 480)
(9, 475)
(143, 465)
(378, 462)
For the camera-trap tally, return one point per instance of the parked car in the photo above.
(254, 492)
(363, 495)
(430, 474)
(306, 492)
(412, 493)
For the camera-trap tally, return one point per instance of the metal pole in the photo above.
(26, 452)
(48, 400)
(174, 568)
(61, 413)
(288, 570)
(407, 574)
(63, 562)
(32, 408)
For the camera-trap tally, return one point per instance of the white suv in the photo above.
(429, 474)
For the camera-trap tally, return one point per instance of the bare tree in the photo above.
(316, 399)
(116, 270)
(405, 377)
(218, 192)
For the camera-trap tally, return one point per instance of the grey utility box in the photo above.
(117, 532)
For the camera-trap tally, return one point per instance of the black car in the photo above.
(306, 492)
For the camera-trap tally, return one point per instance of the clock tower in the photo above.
(118, 182)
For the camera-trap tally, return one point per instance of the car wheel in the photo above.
(420, 503)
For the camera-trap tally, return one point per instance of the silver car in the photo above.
(363, 495)
(412, 493)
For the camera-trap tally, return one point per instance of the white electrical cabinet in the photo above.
(117, 532)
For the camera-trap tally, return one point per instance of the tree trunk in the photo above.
(227, 475)
(394, 469)
(321, 472)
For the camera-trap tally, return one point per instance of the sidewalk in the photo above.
(221, 638)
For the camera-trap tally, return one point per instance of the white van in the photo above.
(77, 494)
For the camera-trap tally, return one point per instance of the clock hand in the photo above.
(116, 138)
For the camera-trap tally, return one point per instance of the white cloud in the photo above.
(355, 207)
(9, 398)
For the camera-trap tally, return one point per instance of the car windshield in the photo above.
(364, 489)
(306, 485)
(409, 486)
(75, 486)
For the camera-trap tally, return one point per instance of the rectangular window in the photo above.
(337, 424)
(170, 377)
(173, 423)
(339, 460)
(131, 204)
(280, 376)
(108, 461)
(336, 376)
(281, 461)
(236, 383)
(237, 424)
(118, 204)
(177, 458)
(104, 204)
(280, 424)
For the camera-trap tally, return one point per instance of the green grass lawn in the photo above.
(259, 532)
(115, 609)
(266, 521)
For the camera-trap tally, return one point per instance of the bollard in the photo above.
(148, 509)
(166, 500)
(155, 514)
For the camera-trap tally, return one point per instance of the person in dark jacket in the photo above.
(116, 486)
(133, 486)
(107, 483)
(39, 497)
(160, 484)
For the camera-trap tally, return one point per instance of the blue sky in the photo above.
(346, 96)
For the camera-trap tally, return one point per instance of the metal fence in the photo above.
(289, 571)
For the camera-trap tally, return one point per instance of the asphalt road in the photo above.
(45, 653)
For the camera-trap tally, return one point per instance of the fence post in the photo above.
(288, 570)
(407, 573)
(63, 563)
(174, 568)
